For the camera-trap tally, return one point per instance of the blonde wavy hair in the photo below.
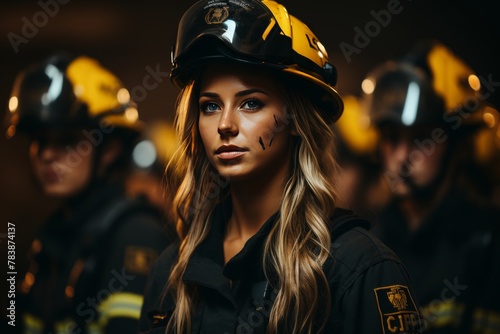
(298, 244)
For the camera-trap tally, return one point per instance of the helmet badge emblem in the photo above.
(217, 15)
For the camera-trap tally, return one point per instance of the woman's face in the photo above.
(243, 123)
(62, 162)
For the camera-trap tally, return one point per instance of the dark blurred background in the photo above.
(131, 38)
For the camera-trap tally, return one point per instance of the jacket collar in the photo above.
(206, 266)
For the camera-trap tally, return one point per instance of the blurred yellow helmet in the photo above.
(487, 140)
(430, 86)
(65, 91)
(353, 129)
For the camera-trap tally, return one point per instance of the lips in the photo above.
(227, 152)
(50, 175)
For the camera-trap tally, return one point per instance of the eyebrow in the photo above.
(239, 94)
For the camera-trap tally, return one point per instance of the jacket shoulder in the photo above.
(358, 248)
(353, 245)
(357, 255)
(363, 269)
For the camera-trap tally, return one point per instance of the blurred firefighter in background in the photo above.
(358, 179)
(89, 261)
(428, 108)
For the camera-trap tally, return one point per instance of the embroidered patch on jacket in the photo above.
(138, 260)
(398, 312)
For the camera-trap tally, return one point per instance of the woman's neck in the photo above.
(252, 204)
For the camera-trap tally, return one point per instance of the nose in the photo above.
(44, 151)
(402, 150)
(401, 155)
(228, 123)
(48, 153)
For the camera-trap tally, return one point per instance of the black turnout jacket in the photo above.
(88, 271)
(370, 289)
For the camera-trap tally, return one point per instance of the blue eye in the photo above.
(252, 104)
(209, 107)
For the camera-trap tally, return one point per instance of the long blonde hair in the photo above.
(298, 244)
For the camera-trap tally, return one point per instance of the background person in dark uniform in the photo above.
(263, 247)
(427, 107)
(90, 259)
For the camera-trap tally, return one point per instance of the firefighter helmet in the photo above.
(429, 86)
(65, 91)
(254, 32)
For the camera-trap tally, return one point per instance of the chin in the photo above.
(57, 191)
(230, 171)
(402, 190)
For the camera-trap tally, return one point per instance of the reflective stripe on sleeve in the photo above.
(94, 328)
(120, 305)
(32, 324)
(442, 314)
(65, 326)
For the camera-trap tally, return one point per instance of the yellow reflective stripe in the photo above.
(67, 325)
(486, 321)
(32, 324)
(121, 304)
(94, 328)
(443, 314)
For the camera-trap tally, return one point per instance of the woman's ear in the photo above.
(110, 152)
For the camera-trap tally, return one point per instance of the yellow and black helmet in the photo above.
(253, 32)
(429, 86)
(65, 91)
